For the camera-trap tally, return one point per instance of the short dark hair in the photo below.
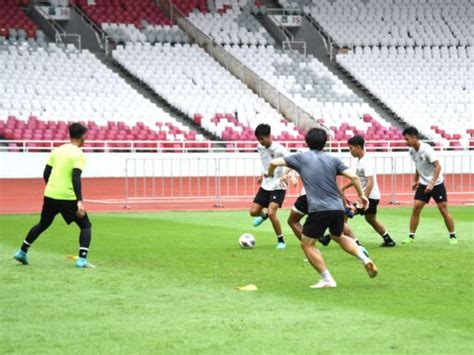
(76, 130)
(263, 130)
(411, 131)
(357, 140)
(316, 138)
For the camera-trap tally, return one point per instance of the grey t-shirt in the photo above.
(319, 170)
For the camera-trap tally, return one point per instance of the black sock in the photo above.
(412, 235)
(281, 239)
(84, 242)
(357, 242)
(452, 235)
(25, 246)
(386, 237)
(264, 215)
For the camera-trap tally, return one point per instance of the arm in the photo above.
(274, 164)
(77, 186)
(414, 186)
(370, 185)
(348, 173)
(436, 173)
(47, 173)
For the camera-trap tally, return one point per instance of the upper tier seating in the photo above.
(313, 87)
(430, 88)
(392, 23)
(13, 21)
(66, 85)
(189, 79)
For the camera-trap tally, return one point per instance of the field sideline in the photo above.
(165, 283)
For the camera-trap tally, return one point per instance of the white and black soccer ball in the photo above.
(247, 241)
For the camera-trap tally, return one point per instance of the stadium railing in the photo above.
(134, 146)
(235, 177)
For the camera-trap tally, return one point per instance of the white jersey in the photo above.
(365, 168)
(276, 150)
(424, 160)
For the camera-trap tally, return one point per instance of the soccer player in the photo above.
(428, 183)
(319, 171)
(365, 170)
(63, 195)
(272, 191)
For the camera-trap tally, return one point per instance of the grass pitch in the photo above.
(165, 283)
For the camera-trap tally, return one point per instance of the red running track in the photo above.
(193, 193)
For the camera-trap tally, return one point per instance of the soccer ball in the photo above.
(247, 241)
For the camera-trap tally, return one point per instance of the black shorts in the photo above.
(438, 193)
(264, 197)
(67, 209)
(301, 205)
(372, 207)
(317, 223)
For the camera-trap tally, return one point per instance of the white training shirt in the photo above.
(424, 160)
(276, 150)
(366, 167)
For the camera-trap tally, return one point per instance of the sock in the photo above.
(281, 239)
(25, 246)
(83, 252)
(326, 275)
(264, 215)
(357, 242)
(386, 237)
(412, 235)
(452, 235)
(362, 257)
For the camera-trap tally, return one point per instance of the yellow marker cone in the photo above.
(250, 287)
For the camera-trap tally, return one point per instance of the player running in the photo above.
(62, 175)
(428, 183)
(272, 191)
(365, 170)
(319, 171)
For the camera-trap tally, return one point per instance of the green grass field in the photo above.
(165, 283)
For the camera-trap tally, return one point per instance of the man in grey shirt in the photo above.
(319, 171)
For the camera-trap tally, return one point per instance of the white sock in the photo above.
(326, 275)
(361, 256)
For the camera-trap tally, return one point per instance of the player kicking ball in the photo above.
(365, 170)
(319, 172)
(272, 191)
(428, 183)
(63, 195)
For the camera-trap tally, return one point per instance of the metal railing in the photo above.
(129, 146)
(151, 180)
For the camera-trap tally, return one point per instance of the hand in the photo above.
(294, 180)
(429, 188)
(414, 186)
(365, 202)
(260, 179)
(81, 210)
(284, 180)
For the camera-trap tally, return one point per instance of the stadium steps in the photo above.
(315, 46)
(151, 95)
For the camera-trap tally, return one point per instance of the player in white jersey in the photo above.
(365, 170)
(272, 189)
(428, 183)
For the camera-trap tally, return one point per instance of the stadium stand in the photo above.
(392, 23)
(322, 94)
(189, 79)
(57, 85)
(14, 24)
(427, 87)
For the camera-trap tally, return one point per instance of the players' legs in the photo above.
(415, 215)
(448, 219)
(348, 231)
(272, 216)
(47, 216)
(294, 222)
(376, 225)
(312, 253)
(84, 236)
(256, 210)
